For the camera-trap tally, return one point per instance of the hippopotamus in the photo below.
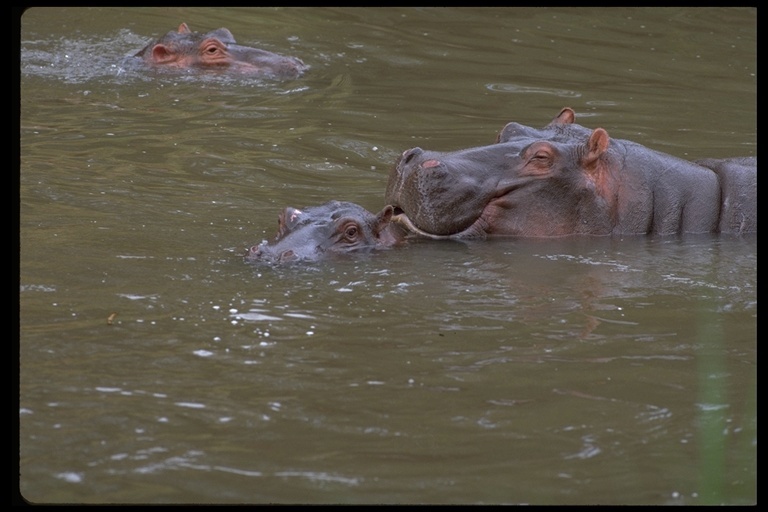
(217, 49)
(336, 227)
(566, 179)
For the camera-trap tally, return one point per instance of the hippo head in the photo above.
(451, 195)
(335, 227)
(539, 183)
(184, 49)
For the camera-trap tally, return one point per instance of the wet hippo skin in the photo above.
(185, 49)
(334, 228)
(566, 179)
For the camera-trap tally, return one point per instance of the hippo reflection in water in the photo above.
(566, 179)
(217, 49)
(336, 227)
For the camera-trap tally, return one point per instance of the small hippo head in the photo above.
(217, 49)
(336, 227)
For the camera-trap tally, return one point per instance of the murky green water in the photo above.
(569, 371)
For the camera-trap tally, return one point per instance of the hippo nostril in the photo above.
(254, 252)
(410, 153)
(287, 255)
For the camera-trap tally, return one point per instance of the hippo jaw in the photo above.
(473, 231)
(263, 252)
(437, 195)
(454, 195)
(248, 60)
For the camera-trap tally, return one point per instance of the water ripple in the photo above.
(515, 89)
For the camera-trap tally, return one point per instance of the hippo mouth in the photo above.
(439, 197)
(401, 218)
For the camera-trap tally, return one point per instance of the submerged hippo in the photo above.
(335, 227)
(216, 50)
(566, 179)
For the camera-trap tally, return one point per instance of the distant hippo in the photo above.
(217, 50)
(335, 227)
(566, 179)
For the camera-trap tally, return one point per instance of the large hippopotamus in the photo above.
(217, 49)
(566, 179)
(336, 227)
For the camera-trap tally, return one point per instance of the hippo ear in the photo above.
(503, 135)
(512, 131)
(596, 145)
(184, 29)
(383, 218)
(223, 35)
(161, 54)
(566, 116)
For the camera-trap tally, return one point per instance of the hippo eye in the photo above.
(538, 152)
(211, 49)
(350, 232)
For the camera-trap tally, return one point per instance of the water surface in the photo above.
(157, 367)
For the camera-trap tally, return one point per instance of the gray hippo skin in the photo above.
(217, 49)
(738, 181)
(334, 228)
(565, 179)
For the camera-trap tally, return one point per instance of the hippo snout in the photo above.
(263, 252)
(254, 252)
(405, 168)
(409, 154)
(414, 160)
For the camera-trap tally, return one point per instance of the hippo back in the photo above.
(738, 185)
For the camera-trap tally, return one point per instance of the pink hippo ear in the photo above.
(595, 165)
(161, 54)
(383, 218)
(184, 29)
(596, 145)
